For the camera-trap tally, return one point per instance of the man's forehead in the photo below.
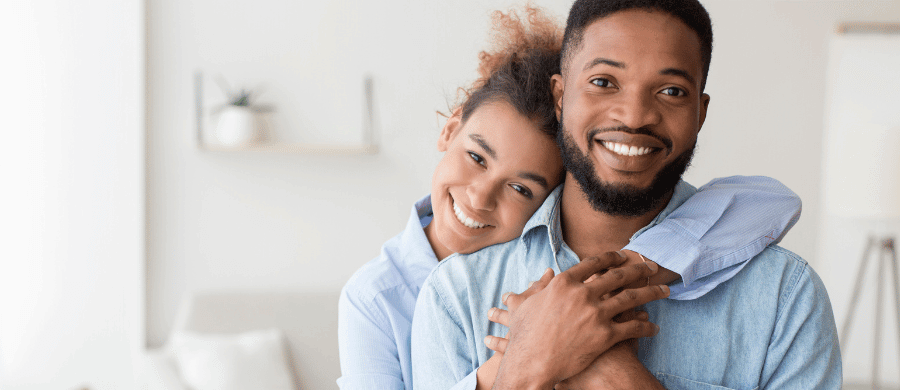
(616, 34)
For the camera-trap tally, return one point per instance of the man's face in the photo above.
(630, 109)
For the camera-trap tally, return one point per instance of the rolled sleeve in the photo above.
(727, 222)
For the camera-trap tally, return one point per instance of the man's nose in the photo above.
(482, 195)
(636, 109)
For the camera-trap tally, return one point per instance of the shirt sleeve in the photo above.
(368, 351)
(441, 353)
(803, 351)
(710, 237)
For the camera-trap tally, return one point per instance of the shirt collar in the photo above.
(416, 252)
(548, 215)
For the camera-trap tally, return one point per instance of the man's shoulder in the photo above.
(777, 266)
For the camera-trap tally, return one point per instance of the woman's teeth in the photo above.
(626, 150)
(469, 222)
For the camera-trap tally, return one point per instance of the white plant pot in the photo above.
(238, 126)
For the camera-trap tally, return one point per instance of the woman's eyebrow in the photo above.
(535, 177)
(484, 145)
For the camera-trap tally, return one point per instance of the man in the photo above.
(630, 103)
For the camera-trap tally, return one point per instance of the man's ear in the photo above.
(557, 86)
(450, 130)
(704, 105)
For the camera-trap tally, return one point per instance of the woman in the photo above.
(500, 163)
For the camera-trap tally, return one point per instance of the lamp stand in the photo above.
(887, 253)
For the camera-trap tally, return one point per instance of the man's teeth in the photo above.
(626, 150)
(469, 222)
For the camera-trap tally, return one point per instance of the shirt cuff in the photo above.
(468, 383)
(673, 249)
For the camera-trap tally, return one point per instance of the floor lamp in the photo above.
(861, 158)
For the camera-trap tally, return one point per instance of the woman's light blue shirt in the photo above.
(707, 240)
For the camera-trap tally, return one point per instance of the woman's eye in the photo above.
(522, 190)
(475, 157)
(674, 91)
(601, 82)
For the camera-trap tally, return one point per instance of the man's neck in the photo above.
(590, 232)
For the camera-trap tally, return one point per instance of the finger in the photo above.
(539, 284)
(496, 344)
(513, 300)
(587, 267)
(632, 314)
(592, 277)
(632, 298)
(621, 276)
(633, 329)
(499, 316)
(626, 315)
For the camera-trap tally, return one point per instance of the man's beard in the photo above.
(619, 199)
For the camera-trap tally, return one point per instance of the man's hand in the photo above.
(563, 326)
(616, 369)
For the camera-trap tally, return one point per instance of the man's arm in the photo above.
(443, 350)
(616, 369)
(716, 231)
(543, 350)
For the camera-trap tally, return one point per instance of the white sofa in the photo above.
(308, 321)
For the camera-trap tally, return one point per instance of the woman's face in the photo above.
(497, 169)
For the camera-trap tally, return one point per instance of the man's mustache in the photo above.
(625, 129)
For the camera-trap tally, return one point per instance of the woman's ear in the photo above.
(557, 87)
(450, 130)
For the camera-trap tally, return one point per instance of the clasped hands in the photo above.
(577, 328)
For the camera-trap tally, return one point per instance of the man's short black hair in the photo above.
(585, 12)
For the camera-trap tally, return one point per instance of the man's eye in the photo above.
(522, 190)
(601, 82)
(674, 91)
(478, 159)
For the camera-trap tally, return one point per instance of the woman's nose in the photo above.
(482, 195)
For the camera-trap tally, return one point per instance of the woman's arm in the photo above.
(369, 355)
(709, 238)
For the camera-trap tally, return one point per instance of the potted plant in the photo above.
(239, 122)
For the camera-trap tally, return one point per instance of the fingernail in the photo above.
(491, 312)
(656, 332)
(487, 340)
(643, 315)
(504, 297)
(530, 284)
(664, 288)
(650, 264)
(622, 255)
(548, 271)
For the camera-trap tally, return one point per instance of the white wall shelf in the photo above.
(278, 147)
(366, 147)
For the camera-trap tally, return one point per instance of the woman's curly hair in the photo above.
(517, 70)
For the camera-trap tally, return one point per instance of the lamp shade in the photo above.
(861, 155)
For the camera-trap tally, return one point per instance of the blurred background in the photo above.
(113, 209)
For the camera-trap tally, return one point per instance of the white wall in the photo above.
(71, 206)
(263, 220)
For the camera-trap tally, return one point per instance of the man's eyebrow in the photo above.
(678, 72)
(605, 61)
(484, 145)
(535, 177)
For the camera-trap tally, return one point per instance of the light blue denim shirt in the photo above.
(769, 326)
(727, 222)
